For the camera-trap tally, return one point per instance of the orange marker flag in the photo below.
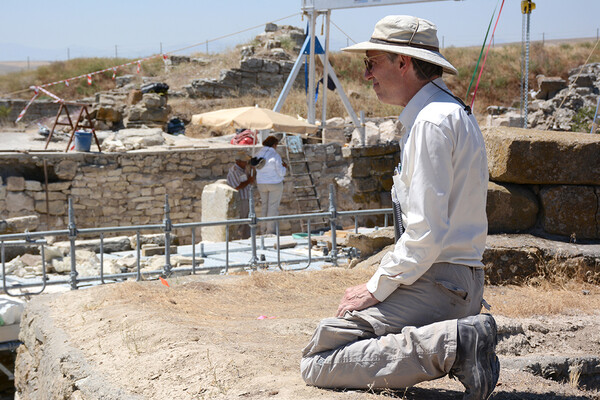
(164, 281)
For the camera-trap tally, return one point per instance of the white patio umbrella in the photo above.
(255, 118)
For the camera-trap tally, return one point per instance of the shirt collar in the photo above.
(415, 105)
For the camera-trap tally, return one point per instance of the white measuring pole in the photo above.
(311, 70)
(325, 77)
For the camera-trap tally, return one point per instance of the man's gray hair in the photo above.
(425, 71)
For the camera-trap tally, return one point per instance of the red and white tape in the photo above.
(37, 89)
(22, 113)
(55, 97)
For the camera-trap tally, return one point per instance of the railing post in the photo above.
(138, 264)
(226, 249)
(252, 216)
(72, 237)
(101, 258)
(167, 228)
(332, 219)
(193, 251)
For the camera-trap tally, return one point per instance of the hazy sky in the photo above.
(53, 30)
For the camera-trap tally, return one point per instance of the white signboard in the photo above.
(308, 5)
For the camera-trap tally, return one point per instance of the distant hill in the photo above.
(7, 67)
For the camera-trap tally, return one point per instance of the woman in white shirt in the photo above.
(269, 179)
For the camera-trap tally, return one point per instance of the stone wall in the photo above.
(257, 76)
(543, 181)
(38, 109)
(118, 189)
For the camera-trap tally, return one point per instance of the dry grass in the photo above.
(527, 301)
(500, 82)
(316, 294)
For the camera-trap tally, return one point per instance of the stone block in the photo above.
(549, 86)
(109, 245)
(334, 135)
(66, 169)
(230, 77)
(15, 183)
(582, 80)
(219, 202)
(56, 207)
(572, 211)
(39, 196)
(269, 81)
(134, 97)
(270, 67)
(58, 186)
(81, 192)
(360, 168)
(33, 186)
(383, 165)
(271, 27)
(366, 184)
(371, 151)
(19, 224)
(19, 201)
(106, 113)
(510, 208)
(154, 250)
(252, 64)
(510, 258)
(542, 157)
(370, 243)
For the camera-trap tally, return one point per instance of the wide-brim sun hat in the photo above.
(242, 156)
(404, 34)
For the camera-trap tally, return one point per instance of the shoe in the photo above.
(477, 367)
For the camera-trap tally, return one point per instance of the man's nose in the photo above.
(367, 75)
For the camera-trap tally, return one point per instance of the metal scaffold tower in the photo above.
(313, 9)
(527, 6)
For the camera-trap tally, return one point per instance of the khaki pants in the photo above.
(270, 197)
(408, 338)
(244, 229)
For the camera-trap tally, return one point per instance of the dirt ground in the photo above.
(240, 337)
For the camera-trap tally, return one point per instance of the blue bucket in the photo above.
(83, 140)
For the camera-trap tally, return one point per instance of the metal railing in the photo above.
(167, 227)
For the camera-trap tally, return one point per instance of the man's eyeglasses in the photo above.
(369, 61)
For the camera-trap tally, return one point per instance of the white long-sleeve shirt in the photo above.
(442, 188)
(273, 170)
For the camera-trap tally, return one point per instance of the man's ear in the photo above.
(404, 61)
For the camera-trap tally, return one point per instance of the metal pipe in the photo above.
(138, 264)
(193, 251)
(72, 237)
(226, 249)
(278, 245)
(333, 221)
(167, 229)
(253, 219)
(333, 214)
(325, 78)
(311, 69)
(102, 257)
(363, 129)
